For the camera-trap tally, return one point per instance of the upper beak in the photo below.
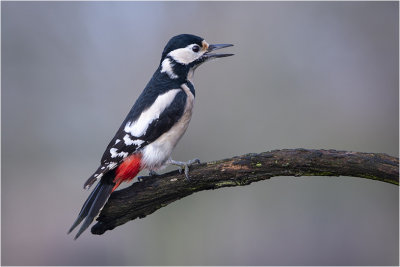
(213, 47)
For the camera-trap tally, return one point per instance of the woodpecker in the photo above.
(153, 126)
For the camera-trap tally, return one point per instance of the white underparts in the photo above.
(139, 127)
(158, 152)
(166, 66)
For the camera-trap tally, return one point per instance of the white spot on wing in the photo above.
(166, 66)
(139, 127)
(111, 166)
(114, 154)
(98, 176)
(128, 141)
(117, 141)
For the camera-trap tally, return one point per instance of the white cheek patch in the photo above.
(139, 127)
(166, 66)
(185, 55)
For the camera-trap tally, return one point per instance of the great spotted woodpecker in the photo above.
(154, 125)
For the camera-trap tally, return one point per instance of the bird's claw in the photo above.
(185, 166)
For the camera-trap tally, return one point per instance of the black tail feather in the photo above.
(101, 198)
(86, 207)
(92, 206)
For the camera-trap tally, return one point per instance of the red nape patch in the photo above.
(128, 169)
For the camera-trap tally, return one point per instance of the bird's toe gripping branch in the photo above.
(184, 165)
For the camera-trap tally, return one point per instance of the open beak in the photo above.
(213, 47)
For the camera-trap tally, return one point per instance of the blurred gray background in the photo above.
(304, 74)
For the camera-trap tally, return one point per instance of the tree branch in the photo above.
(144, 198)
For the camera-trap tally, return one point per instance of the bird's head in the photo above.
(185, 52)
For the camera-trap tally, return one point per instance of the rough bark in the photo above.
(155, 192)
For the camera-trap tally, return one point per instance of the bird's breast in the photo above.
(158, 152)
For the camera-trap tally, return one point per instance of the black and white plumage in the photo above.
(154, 125)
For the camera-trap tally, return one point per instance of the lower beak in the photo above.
(214, 47)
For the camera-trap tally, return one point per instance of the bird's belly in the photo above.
(158, 152)
(155, 154)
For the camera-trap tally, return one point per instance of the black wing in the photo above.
(124, 144)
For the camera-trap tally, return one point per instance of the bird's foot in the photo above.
(151, 173)
(184, 165)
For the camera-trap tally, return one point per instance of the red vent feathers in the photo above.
(127, 170)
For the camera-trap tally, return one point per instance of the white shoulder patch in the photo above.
(166, 66)
(139, 127)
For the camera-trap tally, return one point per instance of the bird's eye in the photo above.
(196, 48)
